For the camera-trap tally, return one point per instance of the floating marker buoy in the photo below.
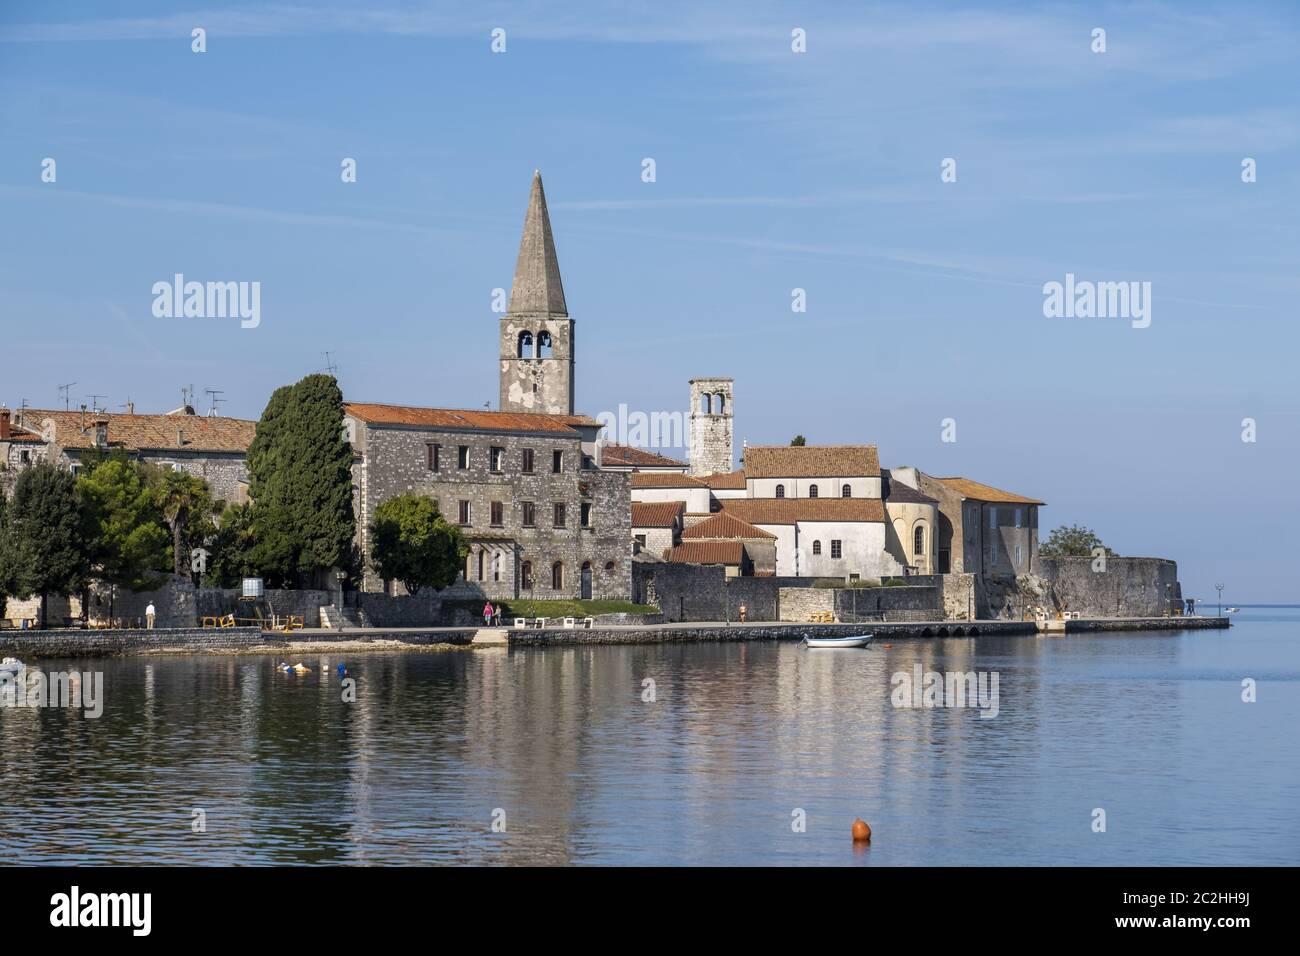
(887, 646)
(861, 832)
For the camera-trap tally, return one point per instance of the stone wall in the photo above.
(1129, 587)
(27, 645)
(904, 603)
(696, 592)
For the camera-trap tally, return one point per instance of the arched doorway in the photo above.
(586, 580)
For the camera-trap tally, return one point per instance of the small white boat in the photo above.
(1231, 610)
(856, 640)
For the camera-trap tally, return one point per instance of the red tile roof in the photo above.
(628, 456)
(707, 552)
(726, 480)
(980, 492)
(76, 429)
(467, 419)
(811, 461)
(792, 510)
(656, 514)
(724, 525)
(665, 479)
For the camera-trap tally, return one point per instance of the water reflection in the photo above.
(738, 737)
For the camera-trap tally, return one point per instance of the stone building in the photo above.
(912, 518)
(542, 518)
(615, 457)
(656, 526)
(712, 417)
(822, 537)
(212, 448)
(759, 545)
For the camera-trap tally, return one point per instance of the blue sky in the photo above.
(775, 171)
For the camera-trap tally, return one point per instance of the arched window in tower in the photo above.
(543, 344)
(780, 491)
(918, 541)
(525, 345)
(526, 575)
(706, 403)
(557, 576)
(846, 491)
(722, 404)
(812, 491)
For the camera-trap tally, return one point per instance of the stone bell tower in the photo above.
(536, 331)
(711, 422)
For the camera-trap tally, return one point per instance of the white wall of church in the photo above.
(860, 487)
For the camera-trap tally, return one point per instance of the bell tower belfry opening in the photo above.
(711, 426)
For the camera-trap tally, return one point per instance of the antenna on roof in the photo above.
(65, 393)
(214, 398)
(94, 402)
(329, 364)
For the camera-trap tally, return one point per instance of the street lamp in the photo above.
(1219, 588)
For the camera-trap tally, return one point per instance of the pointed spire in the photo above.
(537, 286)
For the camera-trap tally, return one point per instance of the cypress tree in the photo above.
(45, 542)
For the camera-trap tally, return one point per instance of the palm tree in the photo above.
(181, 497)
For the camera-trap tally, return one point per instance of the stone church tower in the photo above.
(536, 332)
(711, 420)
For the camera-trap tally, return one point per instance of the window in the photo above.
(586, 515)
(529, 514)
(780, 491)
(557, 576)
(993, 516)
(496, 458)
(480, 565)
(526, 575)
(543, 344)
(706, 401)
(836, 551)
(722, 403)
(431, 455)
(846, 491)
(462, 457)
(525, 345)
(557, 461)
(498, 514)
(640, 539)
(1018, 517)
(918, 541)
(25, 456)
(559, 514)
(464, 512)
(812, 491)
(1018, 553)
(609, 565)
(817, 547)
(496, 567)
(527, 467)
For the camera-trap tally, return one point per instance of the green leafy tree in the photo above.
(798, 441)
(126, 534)
(6, 573)
(1072, 541)
(300, 480)
(233, 547)
(414, 544)
(44, 544)
(186, 505)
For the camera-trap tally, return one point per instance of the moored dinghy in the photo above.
(854, 640)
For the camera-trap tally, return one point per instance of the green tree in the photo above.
(186, 505)
(414, 544)
(300, 480)
(44, 544)
(1072, 541)
(125, 531)
(233, 547)
(6, 573)
(798, 441)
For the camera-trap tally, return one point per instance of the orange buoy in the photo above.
(861, 832)
(887, 646)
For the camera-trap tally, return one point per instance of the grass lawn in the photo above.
(572, 608)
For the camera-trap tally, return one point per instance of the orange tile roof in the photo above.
(629, 456)
(76, 429)
(656, 514)
(792, 510)
(726, 480)
(707, 552)
(980, 492)
(665, 479)
(724, 525)
(467, 419)
(811, 461)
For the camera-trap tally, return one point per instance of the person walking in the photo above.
(496, 616)
(743, 611)
(150, 613)
(487, 614)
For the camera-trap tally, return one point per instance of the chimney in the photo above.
(101, 431)
(130, 408)
(4, 424)
(180, 437)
